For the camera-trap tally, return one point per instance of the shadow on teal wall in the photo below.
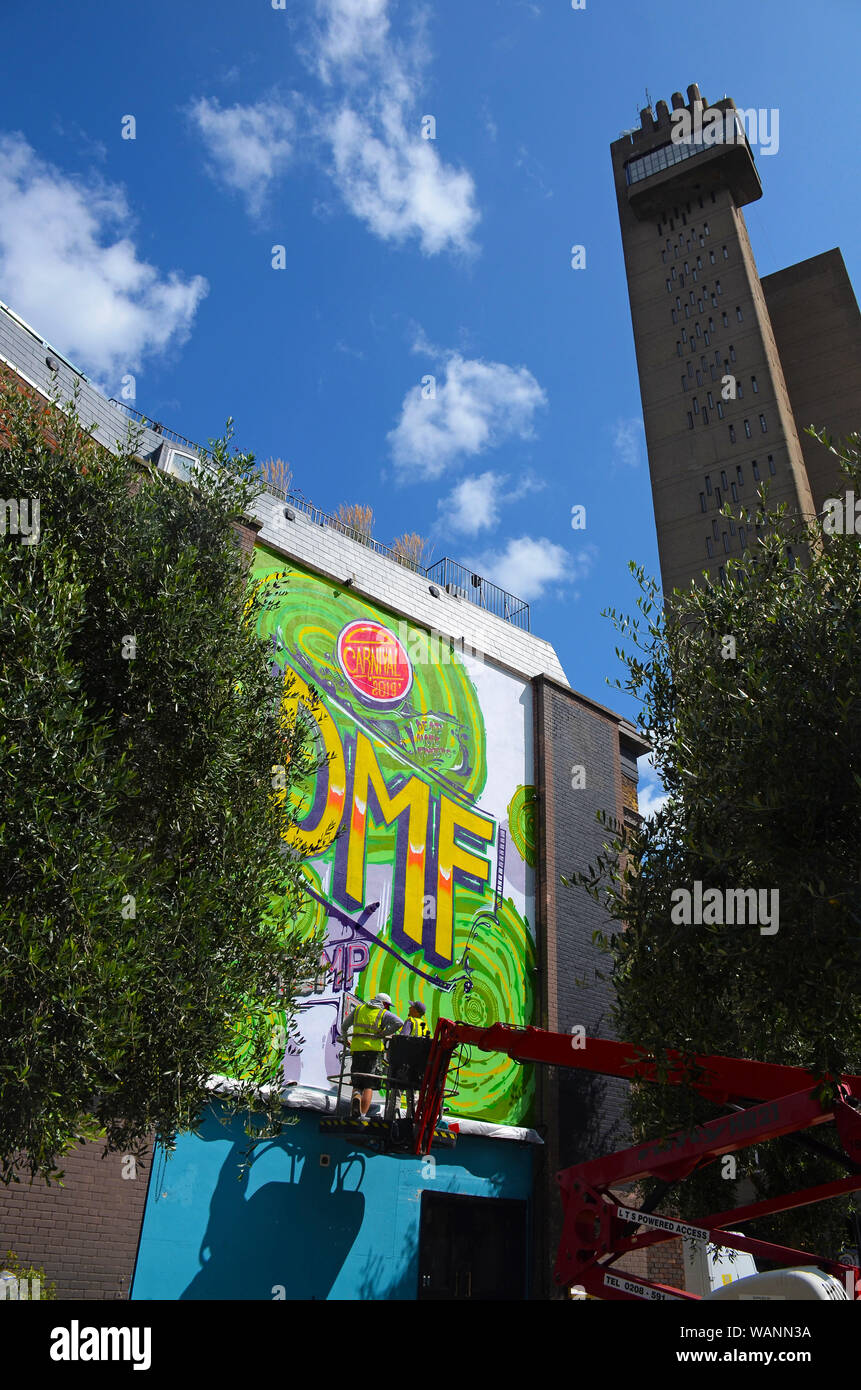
(292, 1227)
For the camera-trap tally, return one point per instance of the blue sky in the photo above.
(258, 126)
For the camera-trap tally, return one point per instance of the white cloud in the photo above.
(68, 264)
(353, 32)
(650, 792)
(367, 133)
(387, 174)
(478, 406)
(628, 441)
(396, 183)
(528, 564)
(249, 146)
(473, 505)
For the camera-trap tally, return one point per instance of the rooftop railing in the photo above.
(455, 579)
(447, 574)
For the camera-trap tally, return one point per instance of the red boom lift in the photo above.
(766, 1101)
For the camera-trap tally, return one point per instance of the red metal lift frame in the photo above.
(598, 1229)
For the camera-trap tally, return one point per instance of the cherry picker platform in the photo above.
(761, 1101)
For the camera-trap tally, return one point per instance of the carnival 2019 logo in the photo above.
(374, 662)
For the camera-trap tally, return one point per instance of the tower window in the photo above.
(721, 570)
(755, 467)
(687, 268)
(678, 302)
(669, 287)
(684, 383)
(699, 378)
(747, 429)
(678, 348)
(731, 353)
(711, 325)
(690, 421)
(734, 491)
(684, 330)
(771, 468)
(725, 253)
(738, 313)
(675, 316)
(706, 339)
(708, 485)
(705, 416)
(699, 262)
(717, 357)
(717, 287)
(687, 311)
(725, 543)
(702, 501)
(710, 401)
(696, 406)
(725, 320)
(673, 272)
(706, 227)
(715, 530)
(762, 425)
(742, 537)
(718, 498)
(723, 481)
(739, 391)
(732, 434)
(720, 410)
(690, 369)
(694, 276)
(664, 257)
(698, 330)
(710, 551)
(738, 475)
(754, 385)
(712, 257)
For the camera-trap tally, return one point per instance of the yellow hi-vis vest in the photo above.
(366, 1034)
(420, 1028)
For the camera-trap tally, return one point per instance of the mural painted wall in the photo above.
(418, 831)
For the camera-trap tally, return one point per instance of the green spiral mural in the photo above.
(522, 824)
(417, 881)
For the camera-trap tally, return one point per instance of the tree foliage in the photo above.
(149, 898)
(758, 744)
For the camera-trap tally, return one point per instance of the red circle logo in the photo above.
(374, 662)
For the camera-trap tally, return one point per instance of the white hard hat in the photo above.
(381, 999)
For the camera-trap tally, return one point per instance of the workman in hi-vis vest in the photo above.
(415, 1026)
(372, 1025)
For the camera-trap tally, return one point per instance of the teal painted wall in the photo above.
(346, 1231)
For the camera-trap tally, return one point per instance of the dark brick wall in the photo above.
(583, 1112)
(83, 1234)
